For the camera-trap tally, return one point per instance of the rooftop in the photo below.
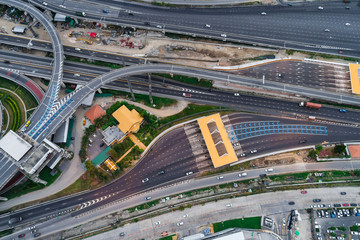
(94, 113)
(129, 121)
(14, 145)
(217, 140)
(112, 134)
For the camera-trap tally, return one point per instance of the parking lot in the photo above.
(336, 221)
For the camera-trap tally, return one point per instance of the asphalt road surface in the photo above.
(66, 221)
(177, 153)
(323, 77)
(299, 27)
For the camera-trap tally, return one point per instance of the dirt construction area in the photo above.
(281, 159)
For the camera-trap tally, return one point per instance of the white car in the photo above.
(269, 170)
(185, 216)
(327, 30)
(236, 94)
(207, 25)
(159, 26)
(62, 6)
(347, 24)
(220, 177)
(320, 8)
(242, 155)
(76, 75)
(45, 3)
(189, 173)
(263, 13)
(145, 180)
(77, 49)
(223, 35)
(157, 223)
(228, 205)
(284, 222)
(180, 223)
(253, 151)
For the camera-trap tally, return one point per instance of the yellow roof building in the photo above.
(129, 121)
(355, 77)
(217, 141)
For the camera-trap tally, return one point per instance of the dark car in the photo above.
(122, 234)
(146, 23)
(316, 200)
(262, 175)
(161, 172)
(72, 138)
(343, 193)
(105, 11)
(37, 234)
(353, 204)
(292, 203)
(337, 205)
(102, 144)
(131, 14)
(6, 61)
(303, 141)
(21, 235)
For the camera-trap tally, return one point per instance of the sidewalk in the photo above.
(136, 141)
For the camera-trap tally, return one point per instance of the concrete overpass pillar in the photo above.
(150, 93)
(131, 90)
(63, 84)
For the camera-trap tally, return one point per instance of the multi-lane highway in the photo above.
(67, 220)
(299, 27)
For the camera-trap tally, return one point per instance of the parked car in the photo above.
(291, 203)
(343, 193)
(316, 200)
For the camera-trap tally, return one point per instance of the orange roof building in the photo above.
(94, 113)
(216, 140)
(129, 121)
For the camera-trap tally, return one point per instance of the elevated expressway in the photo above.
(298, 27)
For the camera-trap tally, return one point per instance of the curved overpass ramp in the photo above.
(25, 82)
(75, 99)
(48, 104)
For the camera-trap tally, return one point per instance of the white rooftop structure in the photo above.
(59, 17)
(14, 145)
(89, 99)
(232, 236)
(19, 29)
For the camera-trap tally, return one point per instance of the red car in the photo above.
(21, 235)
(345, 204)
(303, 192)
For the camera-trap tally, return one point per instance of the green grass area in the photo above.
(251, 223)
(119, 149)
(25, 95)
(6, 232)
(191, 109)
(144, 99)
(15, 109)
(323, 55)
(46, 176)
(144, 206)
(167, 237)
(18, 190)
(188, 80)
(97, 63)
(290, 177)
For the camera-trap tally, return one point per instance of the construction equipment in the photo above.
(85, 40)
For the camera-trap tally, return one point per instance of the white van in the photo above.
(269, 170)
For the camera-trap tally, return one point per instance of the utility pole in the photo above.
(131, 90)
(150, 93)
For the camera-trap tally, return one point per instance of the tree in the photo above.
(340, 149)
(313, 154)
(318, 148)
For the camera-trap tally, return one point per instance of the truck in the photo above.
(80, 14)
(310, 105)
(14, 220)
